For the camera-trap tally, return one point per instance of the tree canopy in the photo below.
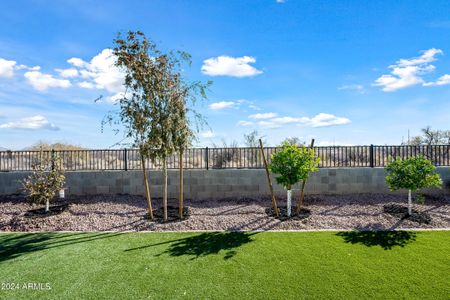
(293, 164)
(413, 173)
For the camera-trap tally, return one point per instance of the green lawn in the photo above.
(224, 265)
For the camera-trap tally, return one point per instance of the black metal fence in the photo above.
(223, 158)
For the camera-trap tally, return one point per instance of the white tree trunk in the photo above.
(47, 206)
(289, 202)
(409, 203)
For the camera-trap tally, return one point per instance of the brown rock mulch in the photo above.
(125, 212)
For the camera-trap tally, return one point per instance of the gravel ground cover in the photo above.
(125, 212)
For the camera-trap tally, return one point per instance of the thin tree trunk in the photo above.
(147, 189)
(47, 206)
(409, 203)
(289, 202)
(274, 201)
(181, 187)
(165, 189)
(302, 194)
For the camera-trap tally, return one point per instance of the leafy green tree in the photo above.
(154, 108)
(293, 164)
(412, 174)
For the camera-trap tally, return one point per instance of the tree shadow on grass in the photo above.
(385, 239)
(15, 245)
(205, 244)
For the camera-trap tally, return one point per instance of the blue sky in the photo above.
(343, 72)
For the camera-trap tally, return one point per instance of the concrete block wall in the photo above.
(215, 184)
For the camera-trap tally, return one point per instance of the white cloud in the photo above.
(281, 1)
(427, 57)
(42, 82)
(244, 123)
(31, 123)
(86, 85)
(260, 116)
(408, 72)
(207, 134)
(287, 120)
(25, 67)
(269, 120)
(443, 80)
(77, 62)
(323, 120)
(230, 66)
(7, 68)
(353, 87)
(280, 121)
(101, 72)
(68, 73)
(222, 105)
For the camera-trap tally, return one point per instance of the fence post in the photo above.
(125, 158)
(53, 159)
(207, 158)
(371, 156)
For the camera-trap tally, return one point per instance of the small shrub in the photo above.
(46, 179)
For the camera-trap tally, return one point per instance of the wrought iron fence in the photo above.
(223, 158)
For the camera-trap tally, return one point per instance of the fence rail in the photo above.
(223, 158)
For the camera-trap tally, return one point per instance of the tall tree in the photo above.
(154, 108)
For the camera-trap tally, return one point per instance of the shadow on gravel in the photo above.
(15, 245)
(385, 239)
(205, 244)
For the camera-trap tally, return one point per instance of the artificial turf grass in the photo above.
(228, 265)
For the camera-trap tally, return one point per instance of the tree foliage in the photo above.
(293, 164)
(157, 102)
(155, 106)
(413, 173)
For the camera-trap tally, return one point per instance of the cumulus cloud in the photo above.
(409, 72)
(86, 85)
(235, 104)
(230, 66)
(101, 73)
(443, 80)
(77, 62)
(270, 120)
(31, 123)
(222, 105)
(323, 120)
(42, 82)
(7, 68)
(68, 73)
(244, 123)
(25, 67)
(263, 116)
